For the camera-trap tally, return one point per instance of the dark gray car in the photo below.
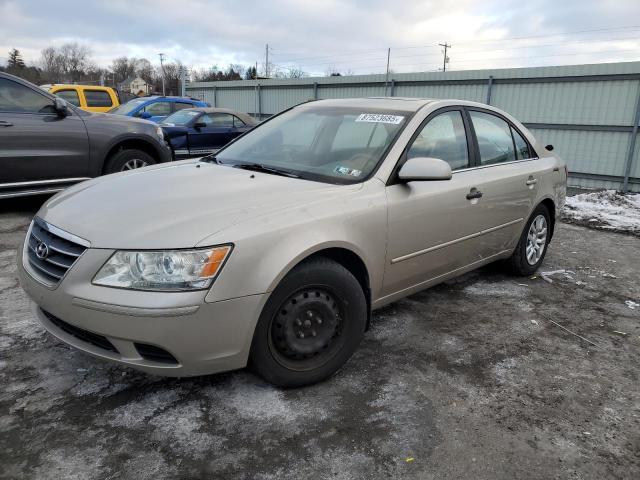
(47, 145)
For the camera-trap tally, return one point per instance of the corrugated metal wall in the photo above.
(586, 111)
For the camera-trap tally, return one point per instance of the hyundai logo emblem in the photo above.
(42, 250)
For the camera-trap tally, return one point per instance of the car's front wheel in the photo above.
(129, 159)
(532, 246)
(310, 326)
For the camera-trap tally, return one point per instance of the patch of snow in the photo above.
(546, 276)
(607, 210)
(632, 305)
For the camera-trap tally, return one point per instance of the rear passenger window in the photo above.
(70, 96)
(97, 98)
(494, 138)
(237, 122)
(444, 138)
(522, 147)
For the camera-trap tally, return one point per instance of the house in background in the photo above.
(135, 86)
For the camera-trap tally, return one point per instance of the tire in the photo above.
(522, 261)
(128, 159)
(310, 326)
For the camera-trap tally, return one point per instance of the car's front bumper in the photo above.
(203, 337)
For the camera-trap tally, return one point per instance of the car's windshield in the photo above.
(330, 144)
(128, 107)
(180, 118)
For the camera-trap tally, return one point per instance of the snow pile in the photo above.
(607, 210)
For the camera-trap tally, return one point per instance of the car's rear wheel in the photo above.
(532, 246)
(310, 326)
(129, 159)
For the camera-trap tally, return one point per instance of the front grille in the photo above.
(155, 354)
(57, 254)
(81, 334)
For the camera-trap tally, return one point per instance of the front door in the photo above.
(217, 132)
(435, 226)
(35, 142)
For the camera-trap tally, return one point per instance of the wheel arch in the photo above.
(130, 143)
(343, 254)
(551, 208)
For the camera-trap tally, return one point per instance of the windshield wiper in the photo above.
(259, 167)
(210, 159)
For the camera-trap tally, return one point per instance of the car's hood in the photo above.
(175, 205)
(117, 119)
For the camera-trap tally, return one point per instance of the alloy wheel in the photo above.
(536, 239)
(133, 164)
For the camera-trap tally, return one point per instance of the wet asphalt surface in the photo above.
(470, 379)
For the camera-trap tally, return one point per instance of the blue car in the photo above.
(196, 132)
(156, 108)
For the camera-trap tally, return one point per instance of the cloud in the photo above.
(317, 36)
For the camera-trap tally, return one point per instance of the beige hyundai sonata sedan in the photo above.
(274, 252)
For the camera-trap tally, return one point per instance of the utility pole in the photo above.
(266, 61)
(161, 55)
(386, 79)
(446, 59)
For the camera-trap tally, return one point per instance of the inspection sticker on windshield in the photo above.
(379, 118)
(348, 171)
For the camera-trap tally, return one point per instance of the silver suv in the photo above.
(274, 252)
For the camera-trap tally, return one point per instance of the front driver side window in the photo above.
(15, 97)
(444, 138)
(158, 109)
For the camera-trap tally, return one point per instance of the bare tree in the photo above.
(77, 59)
(52, 64)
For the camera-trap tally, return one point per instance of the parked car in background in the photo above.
(274, 251)
(194, 132)
(47, 144)
(156, 108)
(91, 98)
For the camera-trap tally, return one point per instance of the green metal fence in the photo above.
(590, 113)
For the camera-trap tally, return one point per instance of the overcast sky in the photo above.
(317, 36)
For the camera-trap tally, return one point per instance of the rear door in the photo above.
(98, 100)
(506, 174)
(37, 144)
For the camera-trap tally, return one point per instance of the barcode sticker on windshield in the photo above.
(379, 118)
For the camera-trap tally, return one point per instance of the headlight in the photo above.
(163, 270)
(160, 133)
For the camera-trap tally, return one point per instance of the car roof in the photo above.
(73, 85)
(242, 116)
(167, 97)
(384, 103)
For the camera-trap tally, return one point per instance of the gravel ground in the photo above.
(471, 379)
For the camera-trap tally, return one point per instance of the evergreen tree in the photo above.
(15, 59)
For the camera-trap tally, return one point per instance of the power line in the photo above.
(462, 51)
(379, 50)
(445, 60)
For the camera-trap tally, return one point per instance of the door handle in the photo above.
(474, 193)
(4, 123)
(532, 181)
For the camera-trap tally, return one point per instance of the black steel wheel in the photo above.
(310, 326)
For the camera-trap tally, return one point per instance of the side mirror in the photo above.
(199, 125)
(424, 168)
(549, 148)
(144, 115)
(60, 106)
